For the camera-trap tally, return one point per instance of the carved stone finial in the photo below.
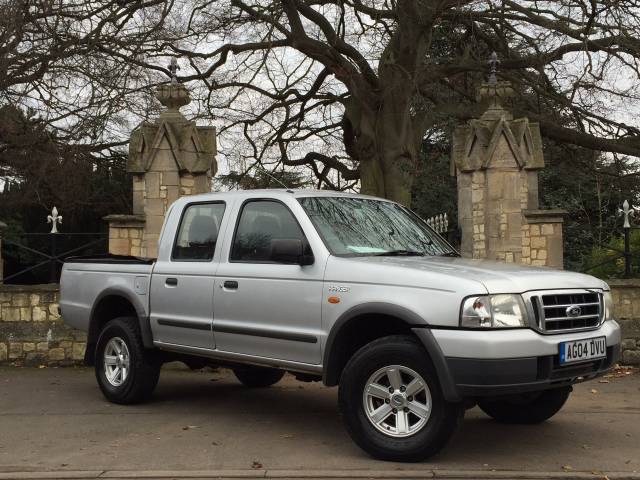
(493, 68)
(173, 95)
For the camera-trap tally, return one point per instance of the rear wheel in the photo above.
(392, 404)
(527, 408)
(127, 373)
(258, 377)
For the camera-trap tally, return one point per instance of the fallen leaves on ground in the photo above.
(256, 465)
(620, 371)
(190, 427)
(567, 467)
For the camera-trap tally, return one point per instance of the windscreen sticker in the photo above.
(356, 249)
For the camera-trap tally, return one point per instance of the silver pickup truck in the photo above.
(351, 290)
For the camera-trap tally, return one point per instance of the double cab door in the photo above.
(182, 286)
(226, 293)
(264, 308)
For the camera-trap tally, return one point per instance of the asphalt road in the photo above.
(56, 419)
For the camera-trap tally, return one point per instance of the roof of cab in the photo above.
(275, 193)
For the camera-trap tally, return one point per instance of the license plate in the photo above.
(583, 350)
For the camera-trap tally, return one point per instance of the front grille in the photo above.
(562, 311)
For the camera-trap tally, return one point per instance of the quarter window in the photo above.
(261, 222)
(198, 233)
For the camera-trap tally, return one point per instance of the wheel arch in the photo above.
(364, 323)
(113, 303)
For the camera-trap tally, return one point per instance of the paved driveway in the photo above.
(56, 419)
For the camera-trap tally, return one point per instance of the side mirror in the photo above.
(290, 250)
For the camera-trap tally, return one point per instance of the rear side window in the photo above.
(261, 222)
(198, 232)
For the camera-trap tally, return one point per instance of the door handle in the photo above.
(171, 282)
(231, 284)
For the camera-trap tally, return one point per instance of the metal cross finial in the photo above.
(627, 211)
(54, 219)
(173, 68)
(493, 68)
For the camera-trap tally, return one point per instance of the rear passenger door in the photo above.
(182, 286)
(263, 307)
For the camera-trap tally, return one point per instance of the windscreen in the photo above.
(360, 226)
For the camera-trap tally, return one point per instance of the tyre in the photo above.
(127, 373)
(392, 404)
(527, 408)
(258, 377)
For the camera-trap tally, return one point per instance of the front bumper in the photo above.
(480, 363)
(474, 377)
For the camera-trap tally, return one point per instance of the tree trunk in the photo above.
(386, 140)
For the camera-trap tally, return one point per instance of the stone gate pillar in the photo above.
(168, 158)
(496, 159)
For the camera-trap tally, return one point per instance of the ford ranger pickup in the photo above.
(355, 291)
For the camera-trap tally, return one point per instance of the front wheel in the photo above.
(527, 408)
(127, 373)
(392, 404)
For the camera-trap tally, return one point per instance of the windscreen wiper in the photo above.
(398, 253)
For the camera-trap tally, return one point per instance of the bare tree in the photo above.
(349, 88)
(53, 63)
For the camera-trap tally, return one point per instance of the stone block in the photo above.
(78, 350)
(28, 347)
(187, 181)
(65, 344)
(547, 229)
(534, 230)
(154, 206)
(34, 299)
(119, 246)
(628, 344)
(3, 352)
(542, 254)
(38, 314)
(152, 187)
(53, 311)
(20, 300)
(631, 357)
(10, 314)
(170, 179)
(42, 346)
(56, 354)
(538, 242)
(15, 350)
(25, 314)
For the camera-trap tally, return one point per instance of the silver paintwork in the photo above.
(397, 401)
(293, 299)
(116, 361)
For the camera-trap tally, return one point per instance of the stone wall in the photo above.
(626, 297)
(32, 333)
(31, 330)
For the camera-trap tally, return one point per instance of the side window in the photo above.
(198, 232)
(260, 223)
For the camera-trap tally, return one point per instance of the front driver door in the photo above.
(265, 308)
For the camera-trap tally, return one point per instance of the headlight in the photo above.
(609, 312)
(493, 311)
